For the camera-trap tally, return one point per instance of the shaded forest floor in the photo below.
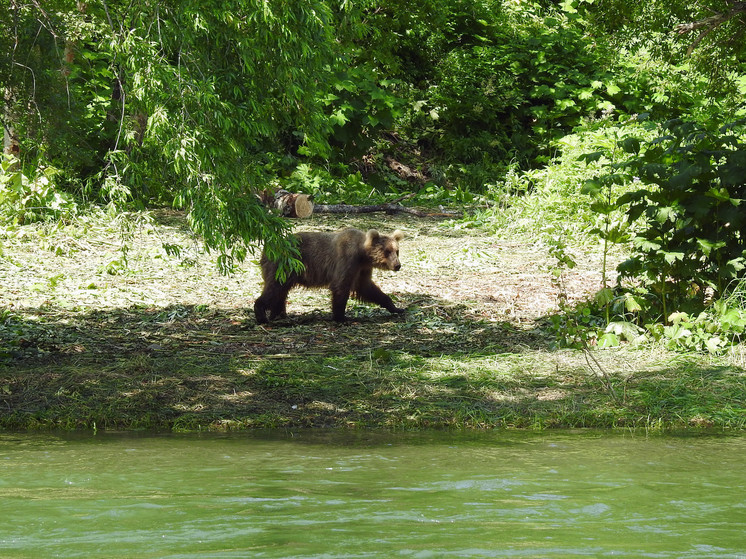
(166, 342)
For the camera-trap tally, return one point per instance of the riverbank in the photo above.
(91, 341)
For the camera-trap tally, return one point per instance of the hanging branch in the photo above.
(710, 24)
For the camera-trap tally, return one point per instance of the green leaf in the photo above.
(665, 213)
(708, 246)
(633, 303)
(646, 245)
(678, 317)
(338, 118)
(720, 194)
(612, 89)
(602, 207)
(608, 340)
(630, 145)
(714, 344)
(671, 257)
(592, 186)
(736, 264)
(624, 329)
(604, 296)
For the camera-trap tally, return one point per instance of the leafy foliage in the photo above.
(691, 242)
(174, 102)
(25, 199)
(708, 34)
(685, 224)
(360, 107)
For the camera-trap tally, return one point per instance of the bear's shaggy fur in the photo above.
(341, 261)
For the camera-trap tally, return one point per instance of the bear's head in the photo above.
(383, 250)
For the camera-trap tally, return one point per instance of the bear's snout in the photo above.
(396, 267)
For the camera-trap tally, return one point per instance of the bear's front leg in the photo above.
(273, 300)
(369, 291)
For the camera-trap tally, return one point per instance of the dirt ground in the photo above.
(80, 269)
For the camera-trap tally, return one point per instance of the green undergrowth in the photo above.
(373, 373)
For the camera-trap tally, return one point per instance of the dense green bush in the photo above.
(683, 282)
(690, 244)
(28, 198)
(527, 86)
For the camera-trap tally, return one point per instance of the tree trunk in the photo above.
(10, 141)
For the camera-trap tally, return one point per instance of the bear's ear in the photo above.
(398, 235)
(371, 237)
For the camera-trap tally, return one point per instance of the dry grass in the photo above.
(69, 268)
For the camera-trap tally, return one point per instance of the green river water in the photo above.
(344, 495)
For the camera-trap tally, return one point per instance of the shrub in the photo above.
(690, 245)
(26, 199)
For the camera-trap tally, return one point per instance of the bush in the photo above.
(690, 245)
(26, 199)
(685, 277)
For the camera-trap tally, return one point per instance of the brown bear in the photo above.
(341, 261)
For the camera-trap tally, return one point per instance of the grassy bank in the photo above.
(167, 343)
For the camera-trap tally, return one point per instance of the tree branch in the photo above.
(713, 21)
(709, 24)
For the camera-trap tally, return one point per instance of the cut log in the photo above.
(289, 204)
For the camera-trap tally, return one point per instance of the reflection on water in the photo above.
(371, 495)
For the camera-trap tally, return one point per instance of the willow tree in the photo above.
(187, 102)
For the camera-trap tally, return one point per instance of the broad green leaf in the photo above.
(612, 89)
(602, 207)
(608, 340)
(338, 118)
(630, 145)
(591, 157)
(604, 296)
(720, 194)
(633, 303)
(678, 317)
(671, 257)
(708, 246)
(714, 344)
(624, 329)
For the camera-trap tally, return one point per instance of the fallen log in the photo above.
(291, 204)
(388, 208)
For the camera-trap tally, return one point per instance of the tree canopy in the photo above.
(201, 105)
(178, 102)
